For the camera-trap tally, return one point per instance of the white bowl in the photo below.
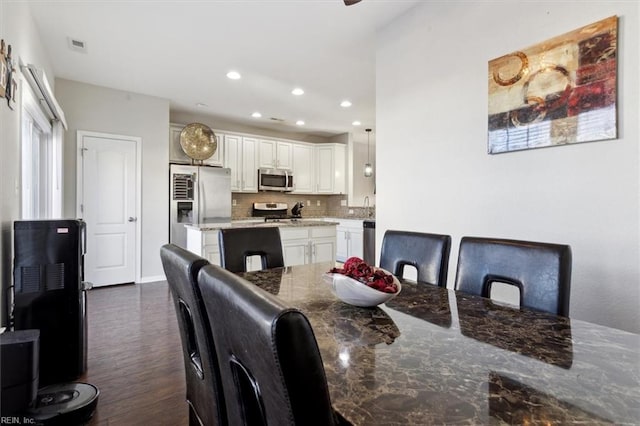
(355, 293)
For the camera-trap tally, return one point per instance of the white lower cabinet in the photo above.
(295, 252)
(323, 250)
(211, 252)
(349, 239)
(313, 244)
(300, 245)
(204, 244)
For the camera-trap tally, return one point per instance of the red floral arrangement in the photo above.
(359, 270)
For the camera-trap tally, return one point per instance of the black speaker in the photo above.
(18, 370)
(49, 295)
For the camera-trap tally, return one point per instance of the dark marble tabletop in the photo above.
(435, 356)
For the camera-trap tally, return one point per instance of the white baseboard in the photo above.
(152, 279)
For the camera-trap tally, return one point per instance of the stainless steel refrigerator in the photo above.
(198, 194)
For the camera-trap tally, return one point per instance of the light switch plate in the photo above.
(318, 203)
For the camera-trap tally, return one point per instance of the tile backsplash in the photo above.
(330, 205)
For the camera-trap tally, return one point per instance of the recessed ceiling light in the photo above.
(356, 123)
(234, 75)
(297, 91)
(345, 104)
(300, 123)
(256, 115)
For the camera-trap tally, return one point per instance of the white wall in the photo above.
(359, 185)
(432, 147)
(17, 29)
(100, 109)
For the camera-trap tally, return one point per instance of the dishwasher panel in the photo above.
(369, 237)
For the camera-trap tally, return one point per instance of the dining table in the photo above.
(432, 355)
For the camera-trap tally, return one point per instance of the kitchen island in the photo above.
(303, 240)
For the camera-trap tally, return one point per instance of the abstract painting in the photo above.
(558, 92)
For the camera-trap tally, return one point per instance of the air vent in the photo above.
(54, 276)
(29, 280)
(77, 45)
(279, 120)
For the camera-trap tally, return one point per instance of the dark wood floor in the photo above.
(135, 356)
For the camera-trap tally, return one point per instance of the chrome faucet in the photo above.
(367, 211)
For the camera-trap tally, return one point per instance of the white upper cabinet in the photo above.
(285, 155)
(177, 155)
(240, 157)
(249, 165)
(267, 154)
(317, 168)
(275, 154)
(232, 159)
(330, 169)
(303, 169)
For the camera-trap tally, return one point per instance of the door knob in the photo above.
(133, 219)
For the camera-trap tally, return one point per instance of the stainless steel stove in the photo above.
(271, 211)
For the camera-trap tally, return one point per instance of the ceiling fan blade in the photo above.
(350, 2)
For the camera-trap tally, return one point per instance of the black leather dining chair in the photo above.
(541, 271)
(237, 244)
(270, 364)
(204, 391)
(428, 253)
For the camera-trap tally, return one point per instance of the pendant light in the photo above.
(368, 168)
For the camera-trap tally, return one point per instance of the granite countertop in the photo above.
(360, 219)
(435, 356)
(327, 217)
(256, 223)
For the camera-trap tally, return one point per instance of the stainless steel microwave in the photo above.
(275, 180)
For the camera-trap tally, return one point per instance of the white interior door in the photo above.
(107, 198)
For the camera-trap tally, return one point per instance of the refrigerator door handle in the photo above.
(83, 230)
(197, 209)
